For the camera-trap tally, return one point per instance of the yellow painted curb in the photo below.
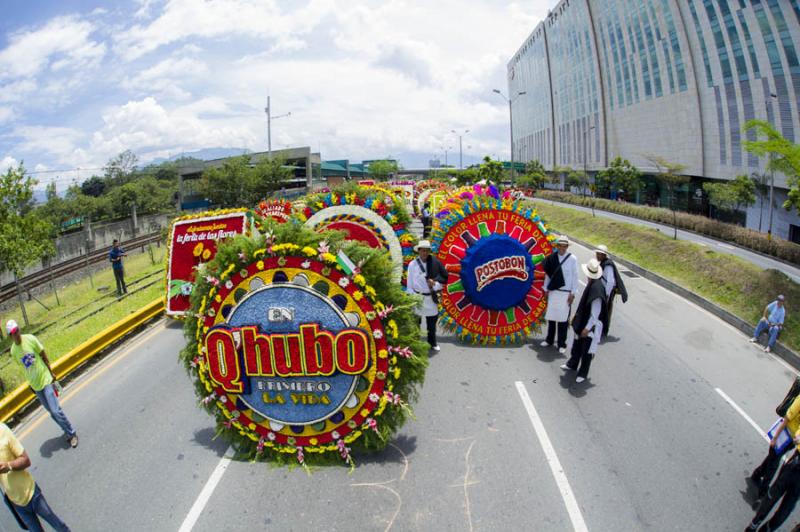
(22, 395)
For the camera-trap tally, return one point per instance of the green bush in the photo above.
(747, 238)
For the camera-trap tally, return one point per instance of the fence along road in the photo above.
(646, 443)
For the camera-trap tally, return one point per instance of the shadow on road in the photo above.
(205, 437)
(547, 354)
(396, 452)
(567, 381)
(59, 443)
(750, 493)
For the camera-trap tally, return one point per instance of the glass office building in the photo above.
(672, 78)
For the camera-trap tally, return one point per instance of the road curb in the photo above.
(22, 395)
(780, 349)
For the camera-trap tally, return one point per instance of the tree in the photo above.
(534, 177)
(94, 186)
(118, 170)
(669, 175)
(579, 180)
(24, 236)
(240, 183)
(620, 175)
(383, 169)
(490, 170)
(783, 154)
(761, 184)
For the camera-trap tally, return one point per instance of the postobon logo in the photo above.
(502, 268)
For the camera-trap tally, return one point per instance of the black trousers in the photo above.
(580, 358)
(786, 489)
(609, 309)
(762, 475)
(430, 323)
(119, 275)
(563, 327)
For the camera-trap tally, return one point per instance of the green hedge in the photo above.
(747, 238)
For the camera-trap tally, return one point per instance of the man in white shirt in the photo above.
(589, 321)
(561, 286)
(426, 276)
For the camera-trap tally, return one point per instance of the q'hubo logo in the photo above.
(292, 352)
(503, 268)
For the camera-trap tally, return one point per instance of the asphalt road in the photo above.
(762, 261)
(647, 443)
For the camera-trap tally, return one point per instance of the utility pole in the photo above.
(270, 118)
(773, 96)
(460, 149)
(511, 124)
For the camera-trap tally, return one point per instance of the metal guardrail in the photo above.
(17, 399)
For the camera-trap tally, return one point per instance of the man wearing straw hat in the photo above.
(560, 285)
(589, 321)
(426, 275)
(611, 281)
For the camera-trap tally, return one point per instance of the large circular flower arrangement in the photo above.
(300, 354)
(425, 189)
(366, 215)
(491, 247)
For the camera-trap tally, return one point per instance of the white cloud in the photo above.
(8, 162)
(6, 114)
(168, 78)
(63, 42)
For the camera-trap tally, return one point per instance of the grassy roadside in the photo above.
(732, 283)
(94, 308)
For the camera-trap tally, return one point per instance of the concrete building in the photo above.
(672, 78)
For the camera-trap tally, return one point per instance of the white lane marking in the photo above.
(574, 511)
(208, 490)
(726, 246)
(742, 413)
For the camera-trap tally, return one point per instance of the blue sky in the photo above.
(81, 81)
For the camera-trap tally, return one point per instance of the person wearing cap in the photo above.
(115, 257)
(589, 321)
(772, 322)
(561, 286)
(29, 354)
(426, 276)
(611, 281)
(23, 495)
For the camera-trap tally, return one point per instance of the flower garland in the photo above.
(298, 256)
(509, 234)
(425, 189)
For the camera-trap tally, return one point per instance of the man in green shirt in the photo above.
(28, 352)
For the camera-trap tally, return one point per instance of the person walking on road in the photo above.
(786, 489)
(560, 285)
(426, 276)
(28, 352)
(762, 475)
(115, 256)
(611, 281)
(589, 321)
(23, 495)
(771, 322)
(427, 220)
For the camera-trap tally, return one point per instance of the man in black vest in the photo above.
(561, 286)
(589, 321)
(611, 281)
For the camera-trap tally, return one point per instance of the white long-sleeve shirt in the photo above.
(594, 325)
(569, 269)
(418, 284)
(609, 281)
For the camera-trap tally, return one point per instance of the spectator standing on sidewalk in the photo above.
(28, 352)
(771, 322)
(24, 496)
(560, 285)
(115, 256)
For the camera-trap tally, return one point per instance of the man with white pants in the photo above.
(561, 286)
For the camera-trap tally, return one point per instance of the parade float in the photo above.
(365, 214)
(491, 246)
(430, 191)
(193, 241)
(303, 347)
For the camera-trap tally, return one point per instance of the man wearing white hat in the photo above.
(426, 276)
(588, 323)
(611, 281)
(28, 353)
(561, 286)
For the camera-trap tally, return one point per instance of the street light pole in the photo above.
(460, 150)
(773, 96)
(270, 118)
(511, 124)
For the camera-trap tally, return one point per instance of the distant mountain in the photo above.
(205, 154)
